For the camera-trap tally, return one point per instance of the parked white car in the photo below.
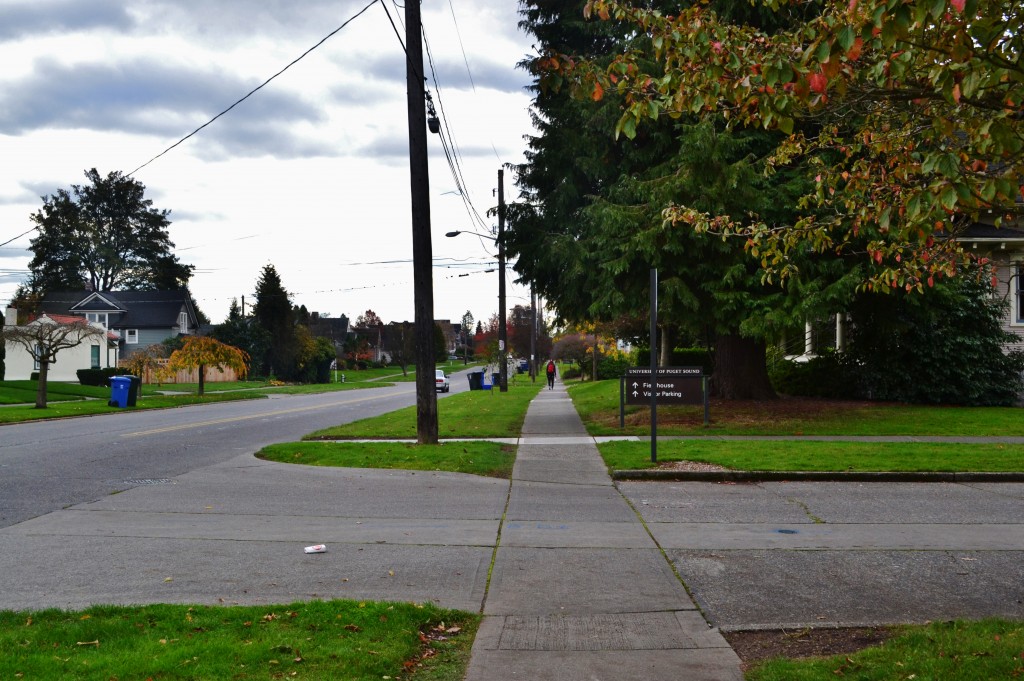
(441, 382)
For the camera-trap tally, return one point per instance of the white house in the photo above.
(95, 351)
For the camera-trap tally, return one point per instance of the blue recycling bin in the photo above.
(119, 389)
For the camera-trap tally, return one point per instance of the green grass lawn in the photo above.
(965, 651)
(477, 458)
(477, 413)
(820, 456)
(28, 412)
(24, 392)
(598, 405)
(364, 641)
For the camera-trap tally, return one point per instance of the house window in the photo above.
(183, 322)
(100, 317)
(131, 336)
(95, 356)
(35, 357)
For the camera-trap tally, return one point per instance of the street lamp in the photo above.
(502, 340)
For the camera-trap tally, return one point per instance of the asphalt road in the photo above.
(49, 465)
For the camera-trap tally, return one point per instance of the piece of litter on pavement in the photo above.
(317, 548)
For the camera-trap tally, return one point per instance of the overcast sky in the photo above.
(310, 174)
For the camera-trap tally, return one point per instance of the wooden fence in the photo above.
(213, 375)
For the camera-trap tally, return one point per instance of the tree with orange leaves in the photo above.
(910, 112)
(199, 352)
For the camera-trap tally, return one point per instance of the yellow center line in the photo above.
(235, 419)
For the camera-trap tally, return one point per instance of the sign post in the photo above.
(654, 363)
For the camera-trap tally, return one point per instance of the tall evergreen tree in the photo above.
(273, 312)
(243, 332)
(590, 226)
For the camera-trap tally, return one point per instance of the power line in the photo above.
(18, 237)
(461, 46)
(259, 87)
(249, 94)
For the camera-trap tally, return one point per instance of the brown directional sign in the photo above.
(675, 385)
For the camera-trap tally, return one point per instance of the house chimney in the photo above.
(10, 317)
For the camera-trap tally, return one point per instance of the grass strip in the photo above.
(18, 414)
(788, 455)
(598, 406)
(24, 392)
(476, 413)
(477, 458)
(966, 651)
(307, 640)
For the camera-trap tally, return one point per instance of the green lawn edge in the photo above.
(965, 651)
(790, 455)
(470, 414)
(94, 407)
(598, 405)
(359, 640)
(491, 459)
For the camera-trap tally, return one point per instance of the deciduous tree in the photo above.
(911, 113)
(199, 352)
(147, 362)
(45, 337)
(104, 235)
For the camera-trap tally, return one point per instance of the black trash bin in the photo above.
(476, 380)
(496, 380)
(133, 389)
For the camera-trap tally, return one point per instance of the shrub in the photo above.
(945, 346)
(824, 376)
(612, 367)
(97, 377)
(681, 357)
(568, 372)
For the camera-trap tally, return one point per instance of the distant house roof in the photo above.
(61, 319)
(982, 233)
(138, 309)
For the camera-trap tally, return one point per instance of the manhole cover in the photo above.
(149, 481)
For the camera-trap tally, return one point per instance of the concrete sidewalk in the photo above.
(579, 588)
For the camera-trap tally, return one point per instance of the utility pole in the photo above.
(503, 328)
(422, 252)
(533, 334)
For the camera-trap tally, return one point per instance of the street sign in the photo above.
(674, 385)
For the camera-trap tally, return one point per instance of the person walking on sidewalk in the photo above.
(551, 374)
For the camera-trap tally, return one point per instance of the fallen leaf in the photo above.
(168, 579)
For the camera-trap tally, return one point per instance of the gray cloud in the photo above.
(36, 17)
(452, 73)
(482, 74)
(150, 97)
(388, 150)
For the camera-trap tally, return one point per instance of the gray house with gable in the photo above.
(139, 318)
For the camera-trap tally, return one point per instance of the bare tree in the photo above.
(45, 337)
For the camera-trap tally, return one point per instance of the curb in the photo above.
(814, 476)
